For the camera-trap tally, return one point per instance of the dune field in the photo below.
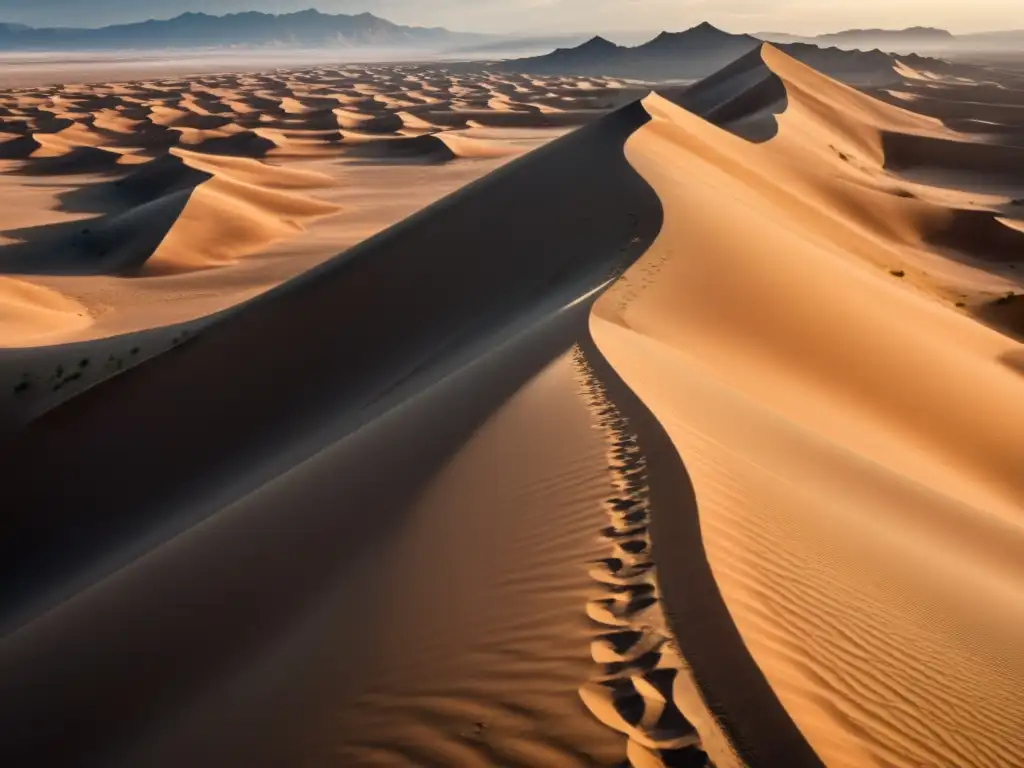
(157, 204)
(385, 416)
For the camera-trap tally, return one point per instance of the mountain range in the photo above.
(871, 37)
(314, 29)
(702, 50)
(309, 28)
(696, 52)
(915, 39)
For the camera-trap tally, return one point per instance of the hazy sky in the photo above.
(799, 16)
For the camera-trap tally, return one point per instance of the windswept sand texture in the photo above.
(690, 438)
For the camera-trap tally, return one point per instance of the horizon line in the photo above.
(518, 33)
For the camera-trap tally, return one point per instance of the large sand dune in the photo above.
(689, 438)
(851, 436)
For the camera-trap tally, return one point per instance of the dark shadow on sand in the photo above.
(355, 345)
(118, 243)
(731, 683)
(744, 98)
(311, 369)
(166, 436)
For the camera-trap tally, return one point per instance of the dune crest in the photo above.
(805, 390)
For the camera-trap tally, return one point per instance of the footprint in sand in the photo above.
(632, 691)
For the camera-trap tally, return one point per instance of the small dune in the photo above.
(147, 182)
(238, 144)
(436, 148)
(226, 219)
(1007, 314)
(909, 152)
(427, 149)
(171, 215)
(31, 314)
(18, 147)
(368, 122)
(82, 159)
(980, 234)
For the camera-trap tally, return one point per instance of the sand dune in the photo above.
(174, 213)
(465, 353)
(225, 220)
(688, 438)
(164, 126)
(33, 313)
(840, 481)
(150, 181)
(74, 161)
(431, 148)
(418, 148)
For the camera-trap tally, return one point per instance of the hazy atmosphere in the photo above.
(796, 16)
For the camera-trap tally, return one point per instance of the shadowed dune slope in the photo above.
(183, 170)
(222, 646)
(326, 344)
(861, 147)
(157, 178)
(976, 157)
(175, 213)
(1007, 312)
(852, 438)
(426, 149)
(296, 439)
(741, 98)
(440, 148)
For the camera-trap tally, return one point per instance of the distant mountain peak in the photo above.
(689, 54)
(706, 30)
(598, 43)
(706, 27)
(701, 51)
(703, 31)
(596, 46)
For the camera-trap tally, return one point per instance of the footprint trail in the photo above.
(637, 660)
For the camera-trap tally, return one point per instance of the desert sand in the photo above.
(482, 420)
(151, 206)
(851, 433)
